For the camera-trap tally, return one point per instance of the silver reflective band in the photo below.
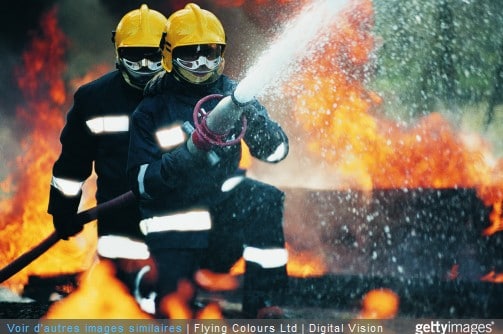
(231, 183)
(198, 220)
(266, 258)
(141, 181)
(119, 247)
(67, 187)
(105, 124)
(278, 154)
(147, 304)
(171, 137)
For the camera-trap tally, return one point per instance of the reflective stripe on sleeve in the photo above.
(171, 137)
(278, 154)
(231, 183)
(141, 181)
(197, 220)
(108, 124)
(67, 187)
(266, 258)
(115, 246)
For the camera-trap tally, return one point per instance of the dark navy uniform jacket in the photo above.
(169, 103)
(97, 131)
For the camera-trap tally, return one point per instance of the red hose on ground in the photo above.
(116, 204)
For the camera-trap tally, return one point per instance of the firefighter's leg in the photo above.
(133, 266)
(265, 280)
(121, 241)
(176, 252)
(264, 289)
(174, 266)
(249, 223)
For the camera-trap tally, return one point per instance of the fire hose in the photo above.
(212, 128)
(116, 204)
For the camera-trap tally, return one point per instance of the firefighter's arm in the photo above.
(71, 169)
(151, 171)
(172, 171)
(265, 138)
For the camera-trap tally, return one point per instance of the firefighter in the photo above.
(197, 212)
(97, 132)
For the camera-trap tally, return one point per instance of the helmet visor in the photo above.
(198, 58)
(147, 64)
(200, 65)
(136, 59)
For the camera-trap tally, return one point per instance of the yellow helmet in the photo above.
(139, 28)
(136, 39)
(194, 30)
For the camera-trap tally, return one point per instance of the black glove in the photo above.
(253, 115)
(180, 162)
(263, 136)
(66, 225)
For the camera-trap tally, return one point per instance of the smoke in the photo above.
(15, 22)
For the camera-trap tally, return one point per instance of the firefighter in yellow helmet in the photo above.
(137, 45)
(196, 213)
(96, 134)
(194, 46)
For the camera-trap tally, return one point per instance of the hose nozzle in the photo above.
(225, 114)
(212, 128)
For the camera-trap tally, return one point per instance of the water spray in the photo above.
(297, 41)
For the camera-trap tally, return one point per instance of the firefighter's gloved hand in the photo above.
(66, 225)
(180, 161)
(253, 115)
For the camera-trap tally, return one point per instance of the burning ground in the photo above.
(357, 182)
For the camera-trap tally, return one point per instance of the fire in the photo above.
(300, 264)
(343, 127)
(493, 277)
(24, 221)
(340, 118)
(379, 304)
(210, 311)
(93, 298)
(215, 281)
(177, 304)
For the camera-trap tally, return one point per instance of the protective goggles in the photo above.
(200, 58)
(136, 58)
(153, 65)
(200, 65)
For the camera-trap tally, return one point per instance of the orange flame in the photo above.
(210, 311)
(379, 304)
(177, 304)
(340, 119)
(92, 299)
(24, 221)
(336, 111)
(100, 295)
(496, 218)
(300, 264)
(493, 277)
(215, 281)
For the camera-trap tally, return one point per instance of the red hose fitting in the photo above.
(202, 137)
